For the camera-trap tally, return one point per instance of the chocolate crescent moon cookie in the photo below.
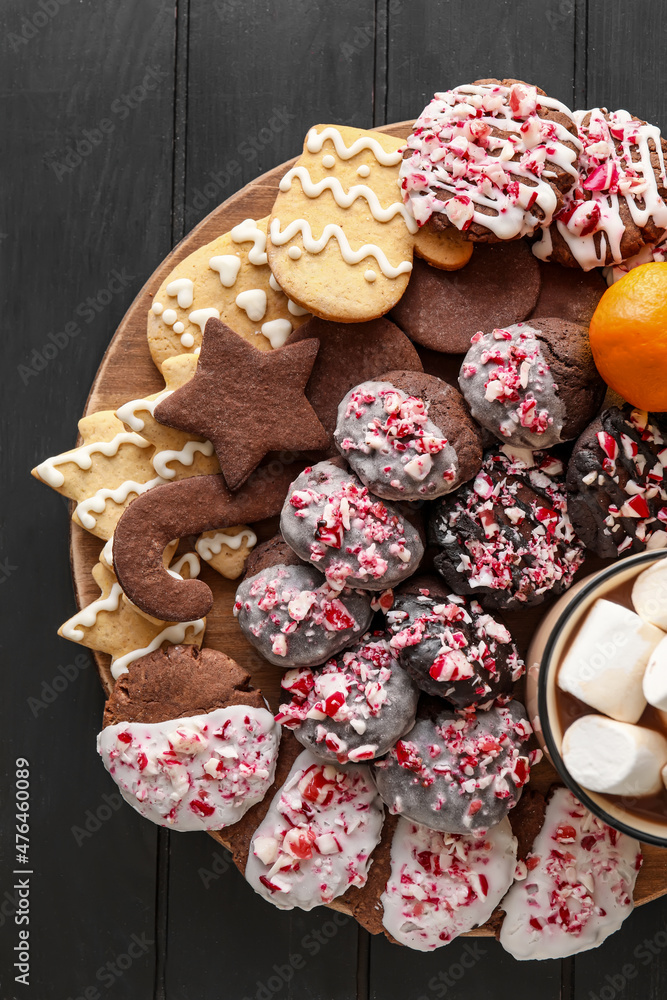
(617, 484)
(532, 384)
(355, 707)
(408, 436)
(295, 618)
(506, 537)
(444, 309)
(333, 521)
(620, 202)
(458, 772)
(450, 646)
(189, 743)
(493, 158)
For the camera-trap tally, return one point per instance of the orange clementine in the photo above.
(628, 335)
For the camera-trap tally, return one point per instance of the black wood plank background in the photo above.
(125, 122)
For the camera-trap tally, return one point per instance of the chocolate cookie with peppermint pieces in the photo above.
(617, 482)
(458, 772)
(506, 538)
(450, 646)
(408, 436)
(493, 158)
(619, 204)
(355, 707)
(356, 539)
(292, 616)
(532, 384)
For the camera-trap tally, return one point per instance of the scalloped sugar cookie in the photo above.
(114, 626)
(178, 454)
(228, 279)
(340, 237)
(102, 475)
(226, 550)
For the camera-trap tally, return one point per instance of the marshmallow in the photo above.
(649, 594)
(613, 757)
(654, 684)
(605, 664)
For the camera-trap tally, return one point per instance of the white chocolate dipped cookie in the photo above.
(340, 238)
(228, 279)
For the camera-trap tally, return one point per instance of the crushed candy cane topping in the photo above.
(488, 154)
(351, 701)
(627, 470)
(295, 616)
(317, 838)
(469, 656)
(392, 445)
(199, 773)
(616, 173)
(578, 886)
(331, 519)
(509, 530)
(443, 884)
(509, 387)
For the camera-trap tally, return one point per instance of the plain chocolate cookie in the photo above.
(444, 309)
(177, 682)
(567, 294)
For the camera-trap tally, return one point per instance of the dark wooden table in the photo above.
(125, 122)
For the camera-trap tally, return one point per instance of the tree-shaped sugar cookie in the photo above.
(112, 625)
(102, 475)
(226, 550)
(178, 454)
(340, 237)
(228, 279)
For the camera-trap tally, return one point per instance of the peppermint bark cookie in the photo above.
(619, 204)
(408, 436)
(450, 646)
(180, 767)
(317, 838)
(577, 887)
(332, 520)
(616, 483)
(443, 884)
(443, 310)
(354, 708)
(492, 158)
(533, 384)
(295, 618)
(506, 538)
(458, 773)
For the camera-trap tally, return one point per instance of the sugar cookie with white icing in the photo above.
(340, 238)
(228, 279)
(177, 454)
(102, 475)
(226, 550)
(112, 625)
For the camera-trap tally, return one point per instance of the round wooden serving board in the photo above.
(127, 372)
